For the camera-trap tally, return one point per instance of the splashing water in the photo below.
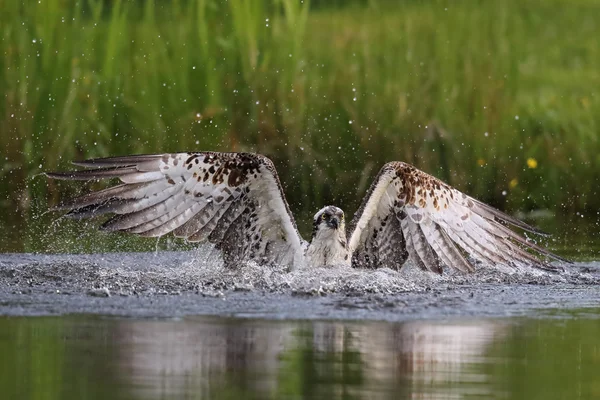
(202, 271)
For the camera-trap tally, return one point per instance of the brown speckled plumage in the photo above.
(438, 226)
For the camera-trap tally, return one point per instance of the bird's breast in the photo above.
(327, 250)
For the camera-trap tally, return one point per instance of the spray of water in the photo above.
(201, 271)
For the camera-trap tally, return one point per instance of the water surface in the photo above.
(84, 357)
(177, 325)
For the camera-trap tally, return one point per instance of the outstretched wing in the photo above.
(408, 213)
(233, 200)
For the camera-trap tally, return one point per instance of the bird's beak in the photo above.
(333, 223)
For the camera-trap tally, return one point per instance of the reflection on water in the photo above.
(163, 358)
(91, 357)
(320, 358)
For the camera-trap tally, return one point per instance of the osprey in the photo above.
(236, 202)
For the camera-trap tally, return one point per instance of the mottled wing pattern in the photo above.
(410, 214)
(233, 200)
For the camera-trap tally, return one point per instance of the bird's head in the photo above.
(330, 219)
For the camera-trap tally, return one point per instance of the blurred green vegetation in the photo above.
(498, 98)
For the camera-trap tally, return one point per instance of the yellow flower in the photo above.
(514, 182)
(481, 162)
(585, 102)
(532, 162)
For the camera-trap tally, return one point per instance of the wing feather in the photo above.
(191, 228)
(422, 249)
(212, 218)
(182, 213)
(438, 224)
(232, 214)
(198, 196)
(120, 191)
(410, 246)
(444, 248)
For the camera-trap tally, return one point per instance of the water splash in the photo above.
(202, 271)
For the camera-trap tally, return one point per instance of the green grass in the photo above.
(468, 91)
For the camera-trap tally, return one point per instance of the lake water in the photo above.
(556, 356)
(174, 327)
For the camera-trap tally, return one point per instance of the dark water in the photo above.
(84, 357)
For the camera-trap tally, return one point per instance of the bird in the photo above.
(236, 202)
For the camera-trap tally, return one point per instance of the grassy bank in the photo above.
(499, 98)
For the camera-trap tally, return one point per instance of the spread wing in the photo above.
(233, 200)
(410, 214)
